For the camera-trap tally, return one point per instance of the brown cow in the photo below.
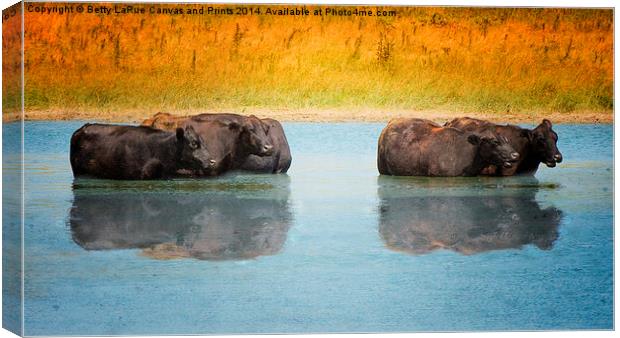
(535, 146)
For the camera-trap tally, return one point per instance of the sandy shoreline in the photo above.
(325, 115)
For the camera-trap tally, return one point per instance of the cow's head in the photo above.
(543, 141)
(494, 149)
(192, 149)
(253, 136)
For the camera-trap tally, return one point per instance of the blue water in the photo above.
(330, 247)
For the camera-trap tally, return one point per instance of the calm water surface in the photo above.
(330, 247)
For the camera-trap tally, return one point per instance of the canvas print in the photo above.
(174, 168)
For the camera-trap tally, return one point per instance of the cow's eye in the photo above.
(194, 145)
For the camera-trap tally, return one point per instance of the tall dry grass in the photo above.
(454, 59)
(11, 62)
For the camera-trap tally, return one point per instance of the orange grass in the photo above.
(11, 63)
(495, 61)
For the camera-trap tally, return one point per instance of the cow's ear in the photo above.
(526, 133)
(266, 127)
(546, 123)
(233, 125)
(473, 139)
(247, 125)
(180, 134)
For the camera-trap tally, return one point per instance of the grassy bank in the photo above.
(332, 115)
(452, 61)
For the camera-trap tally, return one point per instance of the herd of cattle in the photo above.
(166, 146)
(465, 147)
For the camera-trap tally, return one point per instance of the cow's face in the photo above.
(254, 136)
(193, 149)
(224, 139)
(544, 142)
(494, 149)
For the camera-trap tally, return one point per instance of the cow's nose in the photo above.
(267, 147)
(514, 155)
(557, 157)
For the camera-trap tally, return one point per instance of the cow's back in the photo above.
(401, 147)
(468, 124)
(91, 146)
(417, 147)
(165, 121)
(117, 152)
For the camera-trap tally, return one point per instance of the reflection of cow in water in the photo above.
(166, 225)
(467, 224)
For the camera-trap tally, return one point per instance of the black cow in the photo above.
(464, 216)
(136, 153)
(275, 160)
(535, 146)
(230, 142)
(280, 160)
(418, 147)
(213, 223)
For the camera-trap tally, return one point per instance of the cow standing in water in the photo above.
(230, 142)
(418, 147)
(538, 145)
(136, 153)
(277, 160)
